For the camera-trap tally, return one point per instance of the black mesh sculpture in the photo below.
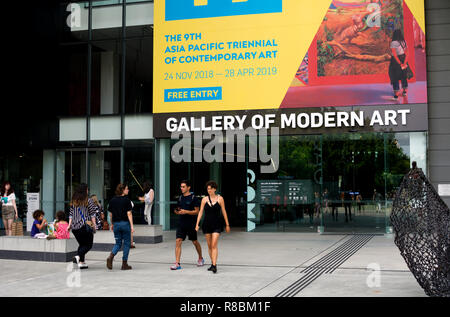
(421, 222)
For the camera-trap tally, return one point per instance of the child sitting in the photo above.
(39, 223)
(61, 225)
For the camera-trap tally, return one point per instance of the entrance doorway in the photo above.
(233, 189)
(99, 168)
(354, 167)
(230, 178)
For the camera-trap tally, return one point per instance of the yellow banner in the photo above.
(269, 48)
(219, 55)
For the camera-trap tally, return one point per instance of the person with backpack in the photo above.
(188, 209)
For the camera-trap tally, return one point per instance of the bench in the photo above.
(143, 234)
(30, 249)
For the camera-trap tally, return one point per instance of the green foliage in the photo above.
(296, 156)
(370, 160)
(325, 55)
(329, 34)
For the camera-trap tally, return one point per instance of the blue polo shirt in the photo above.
(188, 203)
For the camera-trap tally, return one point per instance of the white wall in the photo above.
(111, 16)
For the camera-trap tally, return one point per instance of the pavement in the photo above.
(249, 265)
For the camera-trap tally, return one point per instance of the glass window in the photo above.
(106, 20)
(106, 77)
(285, 200)
(342, 182)
(74, 80)
(139, 72)
(23, 169)
(138, 169)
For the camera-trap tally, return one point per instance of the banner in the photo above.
(222, 55)
(33, 204)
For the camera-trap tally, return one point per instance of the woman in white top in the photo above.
(398, 68)
(9, 207)
(149, 197)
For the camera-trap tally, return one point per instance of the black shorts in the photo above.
(182, 232)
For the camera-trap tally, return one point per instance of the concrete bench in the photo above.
(143, 234)
(27, 248)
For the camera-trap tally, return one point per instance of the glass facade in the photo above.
(105, 136)
(23, 169)
(340, 182)
(332, 183)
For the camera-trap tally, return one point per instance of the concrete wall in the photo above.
(438, 63)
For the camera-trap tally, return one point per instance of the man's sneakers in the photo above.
(176, 266)
(201, 262)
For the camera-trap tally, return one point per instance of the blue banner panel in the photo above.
(197, 9)
(192, 94)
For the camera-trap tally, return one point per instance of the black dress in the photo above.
(213, 221)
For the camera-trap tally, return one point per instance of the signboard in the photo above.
(223, 55)
(285, 192)
(32, 206)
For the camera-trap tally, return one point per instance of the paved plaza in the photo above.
(250, 265)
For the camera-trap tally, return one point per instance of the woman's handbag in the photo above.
(409, 72)
(17, 228)
(90, 227)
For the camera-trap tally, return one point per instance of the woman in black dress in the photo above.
(215, 218)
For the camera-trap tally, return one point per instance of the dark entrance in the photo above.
(231, 181)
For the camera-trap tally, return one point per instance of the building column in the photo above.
(109, 83)
(60, 181)
(97, 174)
(418, 150)
(215, 173)
(52, 191)
(162, 183)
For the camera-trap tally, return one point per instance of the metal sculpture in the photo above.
(421, 222)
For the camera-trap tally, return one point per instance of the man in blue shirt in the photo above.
(188, 207)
